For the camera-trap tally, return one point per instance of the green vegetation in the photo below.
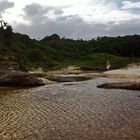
(97, 61)
(54, 52)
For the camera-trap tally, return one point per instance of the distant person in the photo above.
(108, 65)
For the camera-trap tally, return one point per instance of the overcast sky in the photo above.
(72, 18)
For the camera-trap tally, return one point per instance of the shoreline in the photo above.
(131, 73)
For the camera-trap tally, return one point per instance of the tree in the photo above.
(52, 37)
(6, 34)
(3, 24)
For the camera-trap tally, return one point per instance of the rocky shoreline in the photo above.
(14, 75)
(121, 85)
(131, 73)
(11, 75)
(18, 79)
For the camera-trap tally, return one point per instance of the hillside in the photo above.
(54, 52)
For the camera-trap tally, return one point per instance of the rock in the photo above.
(18, 79)
(46, 81)
(11, 65)
(67, 78)
(121, 85)
(40, 75)
(6, 65)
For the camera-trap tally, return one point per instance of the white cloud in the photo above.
(130, 5)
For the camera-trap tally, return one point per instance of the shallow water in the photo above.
(70, 111)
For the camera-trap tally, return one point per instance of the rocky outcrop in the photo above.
(121, 85)
(11, 65)
(18, 79)
(67, 78)
(6, 65)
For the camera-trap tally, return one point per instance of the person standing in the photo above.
(108, 65)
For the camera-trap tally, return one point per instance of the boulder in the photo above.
(121, 85)
(18, 79)
(11, 65)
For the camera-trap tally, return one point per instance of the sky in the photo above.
(75, 19)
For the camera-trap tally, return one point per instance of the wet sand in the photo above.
(70, 111)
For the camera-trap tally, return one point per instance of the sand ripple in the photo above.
(70, 111)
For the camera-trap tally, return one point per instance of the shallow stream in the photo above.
(70, 111)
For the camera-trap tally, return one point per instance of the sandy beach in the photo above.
(131, 72)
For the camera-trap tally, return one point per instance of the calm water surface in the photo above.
(70, 111)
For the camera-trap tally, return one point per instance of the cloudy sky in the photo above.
(72, 18)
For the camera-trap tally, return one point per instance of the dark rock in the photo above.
(67, 78)
(11, 65)
(18, 79)
(6, 65)
(121, 85)
(41, 75)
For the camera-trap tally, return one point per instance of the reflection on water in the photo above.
(70, 111)
(12, 90)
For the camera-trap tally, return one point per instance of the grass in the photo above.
(97, 61)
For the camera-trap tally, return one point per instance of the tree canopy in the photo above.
(6, 34)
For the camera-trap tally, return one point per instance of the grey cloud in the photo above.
(37, 13)
(5, 5)
(58, 12)
(35, 9)
(126, 28)
(73, 29)
(65, 27)
(70, 18)
(132, 0)
(72, 26)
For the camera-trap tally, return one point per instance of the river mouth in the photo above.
(71, 110)
(57, 78)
